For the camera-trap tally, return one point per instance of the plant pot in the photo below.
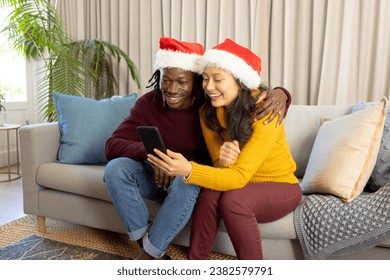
(3, 117)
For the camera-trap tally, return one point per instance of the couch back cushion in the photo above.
(302, 124)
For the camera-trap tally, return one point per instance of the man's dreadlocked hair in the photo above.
(197, 91)
(154, 81)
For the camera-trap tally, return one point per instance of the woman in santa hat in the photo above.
(173, 107)
(252, 179)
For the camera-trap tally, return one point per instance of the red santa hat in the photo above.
(177, 54)
(241, 62)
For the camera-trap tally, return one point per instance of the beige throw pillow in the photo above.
(344, 153)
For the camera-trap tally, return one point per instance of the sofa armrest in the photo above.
(39, 143)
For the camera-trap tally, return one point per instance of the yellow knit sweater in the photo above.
(265, 157)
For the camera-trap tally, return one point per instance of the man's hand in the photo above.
(275, 102)
(228, 153)
(162, 179)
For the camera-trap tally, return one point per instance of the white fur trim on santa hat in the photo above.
(171, 59)
(233, 64)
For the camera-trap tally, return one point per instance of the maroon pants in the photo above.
(241, 211)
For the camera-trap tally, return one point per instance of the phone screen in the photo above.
(151, 137)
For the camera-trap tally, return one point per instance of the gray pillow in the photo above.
(381, 173)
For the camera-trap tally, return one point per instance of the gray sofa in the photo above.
(76, 193)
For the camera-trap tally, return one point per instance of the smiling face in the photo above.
(221, 87)
(177, 86)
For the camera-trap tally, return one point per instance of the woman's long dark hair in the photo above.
(239, 115)
(197, 90)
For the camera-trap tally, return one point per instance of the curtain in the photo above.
(136, 26)
(330, 51)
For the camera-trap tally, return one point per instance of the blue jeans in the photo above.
(129, 182)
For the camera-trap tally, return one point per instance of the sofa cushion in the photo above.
(345, 152)
(85, 125)
(87, 180)
(84, 180)
(381, 173)
(302, 124)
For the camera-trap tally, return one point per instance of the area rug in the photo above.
(75, 241)
(36, 247)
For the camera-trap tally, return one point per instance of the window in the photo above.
(12, 67)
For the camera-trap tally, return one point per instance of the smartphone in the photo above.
(151, 137)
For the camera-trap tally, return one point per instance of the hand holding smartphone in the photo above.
(151, 137)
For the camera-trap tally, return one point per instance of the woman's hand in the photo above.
(162, 179)
(275, 102)
(173, 164)
(228, 153)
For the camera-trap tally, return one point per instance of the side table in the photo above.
(12, 175)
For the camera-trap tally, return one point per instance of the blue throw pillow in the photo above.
(85, 125)
(381, 173)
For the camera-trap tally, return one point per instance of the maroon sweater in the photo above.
(180, 130)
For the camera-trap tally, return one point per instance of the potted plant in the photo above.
(81, 68)
(3, 111)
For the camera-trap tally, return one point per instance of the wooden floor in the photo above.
(11, 199)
